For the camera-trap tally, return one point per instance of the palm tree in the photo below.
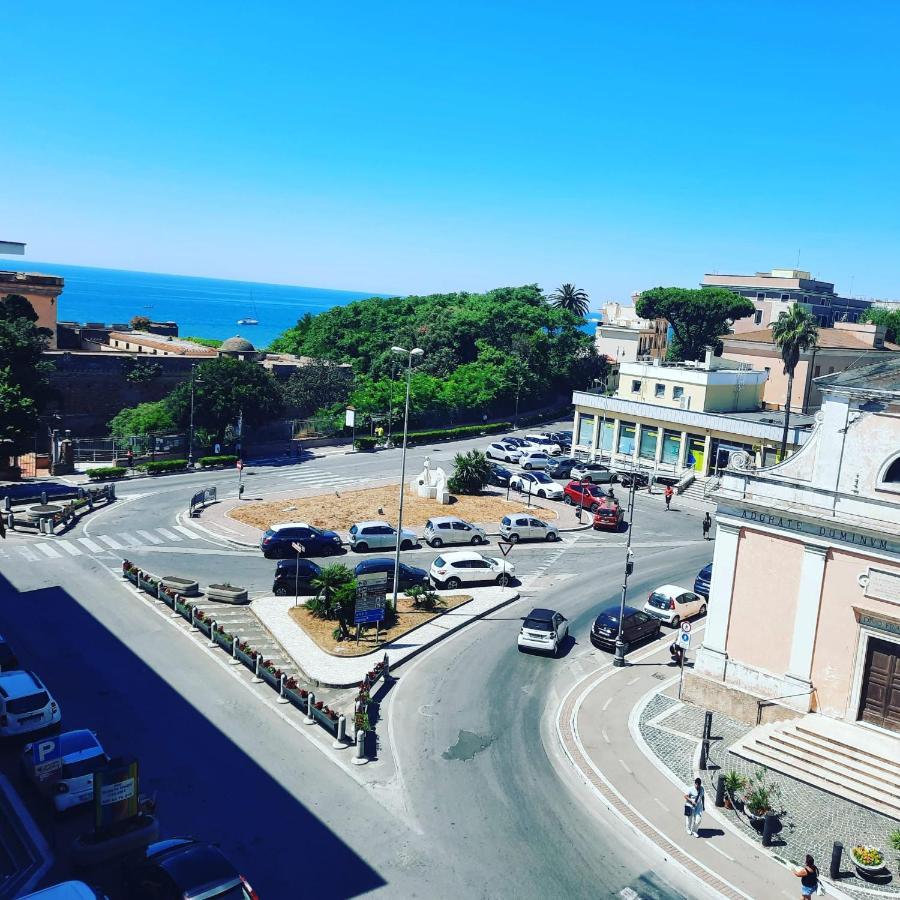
(569, 297)
(336, 589)
(795, 332)
(471, 471)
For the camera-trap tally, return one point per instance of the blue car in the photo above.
(701, 582)
(278, 541)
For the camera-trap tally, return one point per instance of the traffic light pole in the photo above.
(619, 658)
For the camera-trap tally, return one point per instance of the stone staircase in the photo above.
(695, 491)
(850, 761)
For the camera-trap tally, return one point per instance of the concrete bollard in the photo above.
(194, 619)
(720, 791)
(112, 491)
(387, 668)
(340, 740)
(175, 614)
(837, 851)
(234, 650)
(211, 640)
(159, 592)
(769, 822)
(310, 703)
(11, 521)
(7, 504)
(257, 678)
(359, 758)
(44, 498)
(281, 697)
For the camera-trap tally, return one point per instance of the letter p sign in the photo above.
(44, 750)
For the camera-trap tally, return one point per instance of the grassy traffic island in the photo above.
(408, 617)
(340, 509)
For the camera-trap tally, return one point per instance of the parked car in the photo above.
(499, 476)
(67, 890)
(537, 483)
(672, 604)
(593, 471)
(82, 754)
(523, 527)
(516, 442)
(544, 630)
(410, 576)
(278, 540)
(184, 867)
(442, 530)
(584, 494)
(499, 450)
(534, 459)
(295, 575)
(8, 659)
(638, 627)
(627, 477)
(702, 581)
(378, 535)
(539, 442)
(608, 515)
(450, 570)
(25, 704)
(562, 467)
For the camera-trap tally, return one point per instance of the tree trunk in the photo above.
(787, 413)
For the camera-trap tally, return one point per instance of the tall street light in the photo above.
(619, 658)
(410, 354)
(191, 430)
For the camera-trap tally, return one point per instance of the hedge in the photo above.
(106, 472)
(364, 443)
(207, 461)
(166, 465)
(446, 434)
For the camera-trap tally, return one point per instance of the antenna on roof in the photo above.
(798, 257)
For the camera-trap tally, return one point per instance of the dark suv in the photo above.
(701, 582)
(278, 541)
(410, 576)
(295, 575)
(638, 627)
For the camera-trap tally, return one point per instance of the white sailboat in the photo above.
(250, 320)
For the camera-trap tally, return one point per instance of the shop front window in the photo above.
(671, 447)
(626, 438)
(585, 431)
(649, 437)
(606, 435)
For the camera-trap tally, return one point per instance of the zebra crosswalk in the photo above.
(318, 478)
(61, 548)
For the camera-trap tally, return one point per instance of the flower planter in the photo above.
(203, 627)
(183, 586)
(868, 869)
(183, 609)
(223, 640)
(87, 851)
(324, 720)
(246, 659)
(269, 678)
(145, 584)
(132, 577)
(226, 593)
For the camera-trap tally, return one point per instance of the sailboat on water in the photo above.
(250, 320)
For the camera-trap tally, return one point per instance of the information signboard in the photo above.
(115, 793)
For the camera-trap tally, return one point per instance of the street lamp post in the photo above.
(191, 429)
(619, 658)
(410, 354)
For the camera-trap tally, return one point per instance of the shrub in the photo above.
(106, 473)
(225, 460)
(165, 465)
(364, 443)
(449, 434)
(422, 598)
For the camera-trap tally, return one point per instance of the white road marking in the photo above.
(71, 549)
(606, 704)
(110, 542)
(661, 804)
(629, 894)
(168, 534)
(87, 542)
(47, 550)
(149, 536)
(28, 554)
(712, 846)
(605, 736)
(633, 681)
(625, 766)
(130, 539)
(188, 534)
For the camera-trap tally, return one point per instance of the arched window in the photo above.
(892, 473)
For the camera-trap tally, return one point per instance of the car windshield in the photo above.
(439, 562)
(27, 704)
(353, 529)
(543, 478)
(6, 654)
(538, 624)
(660, 601)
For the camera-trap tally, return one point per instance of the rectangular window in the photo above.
(760, 295)
(626, 438)
(785, 296)
(649, 438)
(757, 317)
(606, 435)
(659, 390)
(585, 431)
(677, 393)
(635, 387)
(671, 446)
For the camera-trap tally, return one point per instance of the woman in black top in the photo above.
(808, 874)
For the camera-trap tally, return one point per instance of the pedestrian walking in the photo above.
(693, 807)
(707, 524)
(808, 874)
(668, 493)
(129, 458)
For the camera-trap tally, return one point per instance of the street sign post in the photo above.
(683, 642)
(505, 547)
(300, 550)
(371, 598)
(47, 757)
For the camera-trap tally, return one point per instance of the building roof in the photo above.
(177, 346)
(880, 377)
(829, 339)
(237, 344)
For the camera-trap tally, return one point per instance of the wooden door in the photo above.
(880, 701)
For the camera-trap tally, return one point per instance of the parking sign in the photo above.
(47, 757)
(684, 639)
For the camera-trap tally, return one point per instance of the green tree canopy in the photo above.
(470, 473)
(319, 384)
(890, 318)
(145, 418)
(572, 298)
(698, 317)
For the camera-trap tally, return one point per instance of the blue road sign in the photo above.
(47, 757)
(364, 616)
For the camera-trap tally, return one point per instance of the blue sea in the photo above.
(202, 307)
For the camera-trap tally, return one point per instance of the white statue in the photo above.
(432, 483)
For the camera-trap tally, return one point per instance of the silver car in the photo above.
(523, 527)
(452, 530)
(378, 535)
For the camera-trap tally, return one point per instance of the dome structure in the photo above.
(237, 345)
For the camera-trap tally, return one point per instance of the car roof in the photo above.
(370, 522)
(280, 525)
(291, 563)
(461, 554)
(65, 890)
(193, 864)
(79, 741)
(18, 682)
(371, 563)
(672, 590)
(540, 613)
(446, 519)
(612, 612)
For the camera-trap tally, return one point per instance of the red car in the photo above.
(608, 515)
(584, 494)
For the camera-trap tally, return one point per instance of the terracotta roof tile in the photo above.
(829, 339)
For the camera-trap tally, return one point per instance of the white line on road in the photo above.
(188, 534)
(606, 704)
(71, 549)
(661, 804)
(712, 846)
(110, 542)
(625, 766)
(130, 539)
(633, 681)
(87, 542)
(30, 555)
(149, 536)
(168, 534)
(47, 550)
(605, 735)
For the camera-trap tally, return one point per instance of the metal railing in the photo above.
(771, 701)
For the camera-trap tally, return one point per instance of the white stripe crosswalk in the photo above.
(149, 536)
(91, 545)
(71, 549)
(49, 551)
(168, 534)
(110, 541)
(185, 531)
(320, 479)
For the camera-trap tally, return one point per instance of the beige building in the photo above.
(41, 291)
(847, 345)
(155, 345)
(804, 605)
(623, 336)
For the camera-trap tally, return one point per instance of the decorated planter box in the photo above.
(223, 640)
(227, 593)
(181, 585)
(246, 659)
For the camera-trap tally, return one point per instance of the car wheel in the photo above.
(676, 621)
(702, 610)
(542, 495)
(595, 507)
(361, 547)
(406, 545)
(552, 536)
(453, 583)
(281, 591)
(436, 542)
(503, 579)
(567, 500)
(476, 540)
(527, 467)
(513, 539)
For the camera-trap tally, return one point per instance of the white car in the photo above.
(540, 484)
(522, 527)
(673, 604)
(544, 630)
(502, 451)
(542, 442)
(450, 570)
(81, 755)
(534, 459)
(441, 530)
(25, 704)
(377, 535)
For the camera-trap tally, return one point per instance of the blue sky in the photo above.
(419, 147)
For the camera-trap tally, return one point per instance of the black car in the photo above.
(638, 627)
(701, 582)
(8, 659)
(295, 576)
(498, 475)
(278, 541)
(639, 479)
(562, 468)
(184, 867)
(410, 576)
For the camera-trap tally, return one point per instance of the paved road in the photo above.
(479, 803)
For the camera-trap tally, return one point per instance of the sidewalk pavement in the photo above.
(599, 735)
(336, 671)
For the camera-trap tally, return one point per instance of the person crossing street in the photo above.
(668, 494)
